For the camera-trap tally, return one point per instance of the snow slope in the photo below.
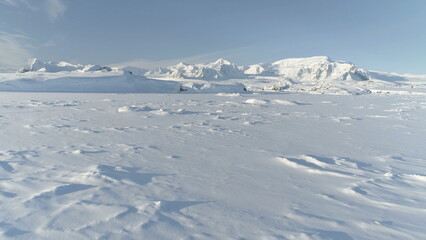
(97, 81)
(227, 166)
(115, 81)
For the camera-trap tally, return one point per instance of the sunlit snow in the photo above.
(255, 156)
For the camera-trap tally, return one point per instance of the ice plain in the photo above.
(212, 166)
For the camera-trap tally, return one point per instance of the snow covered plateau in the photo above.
(295, 149)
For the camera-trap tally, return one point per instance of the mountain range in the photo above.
(318, 74)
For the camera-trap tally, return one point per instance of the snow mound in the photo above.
(93, 68)
(36, 65)
(256, 101)
(134, 108)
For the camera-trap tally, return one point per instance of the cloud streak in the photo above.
(13, 51)
(52, 8)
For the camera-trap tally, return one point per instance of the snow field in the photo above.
(226, 166)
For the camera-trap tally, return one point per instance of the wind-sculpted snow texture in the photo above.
(212, 166)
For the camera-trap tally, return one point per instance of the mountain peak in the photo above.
(305, 61)
(182, 64)
(222, 61)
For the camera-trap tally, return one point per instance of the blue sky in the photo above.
(385, 35)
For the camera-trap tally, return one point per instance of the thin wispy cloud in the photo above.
(52, 8)
(14, 51)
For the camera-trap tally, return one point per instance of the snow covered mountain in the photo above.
(314, 74)
(319, 75)
(297, 69)
(37, 65)
(218, 70)
(39, 76)
(308, 69)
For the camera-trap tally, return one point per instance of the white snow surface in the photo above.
(212, 166)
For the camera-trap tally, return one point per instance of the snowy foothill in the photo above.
(294, 149)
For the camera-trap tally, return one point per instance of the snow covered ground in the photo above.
(212, 166)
